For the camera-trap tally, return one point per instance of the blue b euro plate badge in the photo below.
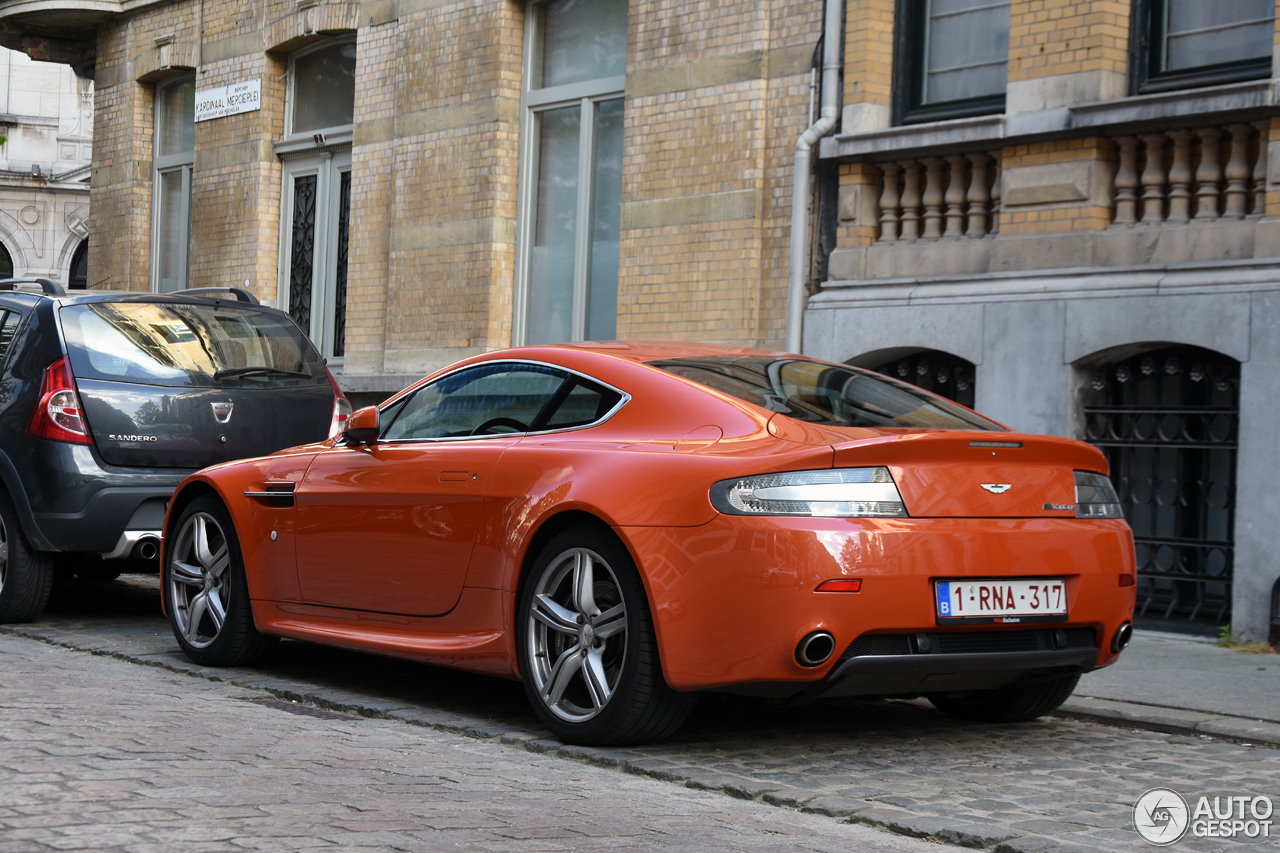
(1000, 601)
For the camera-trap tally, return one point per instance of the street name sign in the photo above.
(229, 100)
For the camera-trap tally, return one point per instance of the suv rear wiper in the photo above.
(257, 371)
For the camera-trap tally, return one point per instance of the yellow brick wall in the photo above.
(868, 179)
(868, 51)
(1048, 37)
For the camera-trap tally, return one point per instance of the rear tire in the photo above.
(595, 680)
(26, 575)
(1008, 704)
(206, 590)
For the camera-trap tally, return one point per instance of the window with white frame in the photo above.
(571, 171)
(1188, 43)
(316, 191)
(175, 132)
(953, 58)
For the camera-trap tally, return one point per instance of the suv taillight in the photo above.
(341, 406)
(59, 415)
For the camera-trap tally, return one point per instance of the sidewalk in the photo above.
(1184, 685)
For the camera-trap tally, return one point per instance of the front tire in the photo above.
(26, 575)
(206, 590)
(588, 653)
(1008, 704)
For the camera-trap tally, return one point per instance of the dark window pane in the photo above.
(583, 40)
(830, 394)
(967, 49)
(1210, 32)
(324, 88)
(585, 404)
(462, 403)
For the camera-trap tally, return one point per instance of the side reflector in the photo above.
(841, 585)
(1126, 580)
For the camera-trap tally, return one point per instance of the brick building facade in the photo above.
(1064, 212)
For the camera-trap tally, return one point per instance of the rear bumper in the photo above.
(83, 505)
(107, 517)
(733, 598)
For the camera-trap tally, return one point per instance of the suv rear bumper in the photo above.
(110, 513)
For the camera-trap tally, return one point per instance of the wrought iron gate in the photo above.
(1167, 421)
(933, 370)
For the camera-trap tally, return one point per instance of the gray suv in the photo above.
(108, 400)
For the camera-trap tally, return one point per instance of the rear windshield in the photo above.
(823, 393)
(180, 344)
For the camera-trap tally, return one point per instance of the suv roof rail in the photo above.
(50, 288)
(240, 294)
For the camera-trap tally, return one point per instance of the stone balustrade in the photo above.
(1183, 175)
(940, 198)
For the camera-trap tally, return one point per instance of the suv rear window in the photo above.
(183, 344)
(824, 393)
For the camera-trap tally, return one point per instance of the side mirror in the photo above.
(362, 426)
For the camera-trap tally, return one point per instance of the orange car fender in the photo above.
(256, 520)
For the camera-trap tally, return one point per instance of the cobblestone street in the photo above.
(806, 772)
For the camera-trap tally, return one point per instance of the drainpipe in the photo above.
(797, 296)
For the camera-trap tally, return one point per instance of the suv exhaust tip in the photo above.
(815, 649)
(147, 549)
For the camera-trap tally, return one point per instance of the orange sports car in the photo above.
(624, 525)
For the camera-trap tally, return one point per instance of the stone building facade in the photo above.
(1067, 213)
(1063, 212)
(46, 117)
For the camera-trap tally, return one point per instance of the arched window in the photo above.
(78, 277)
(6, 262)
(1167, 420)
(942, 373)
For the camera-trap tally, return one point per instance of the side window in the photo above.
(8, 328)
(583, 405)
(485, 400)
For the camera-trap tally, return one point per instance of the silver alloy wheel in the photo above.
(577, 635)
(199, 583)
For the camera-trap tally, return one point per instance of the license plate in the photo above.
(1001, 601)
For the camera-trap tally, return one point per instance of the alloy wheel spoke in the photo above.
(219, 562)
(186, 573)
(201, 541)
(555, 616)
(596, 678)
(565, 668)
(217, 611)
(584, 581)
(4, 552)
(610, 621)
(195, 615)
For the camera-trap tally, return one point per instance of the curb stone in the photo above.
(1175, 721)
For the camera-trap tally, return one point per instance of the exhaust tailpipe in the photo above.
(1122, 637)
(815, 649)
(147, 549)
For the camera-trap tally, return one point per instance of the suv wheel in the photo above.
(26, 576)
(206, 590)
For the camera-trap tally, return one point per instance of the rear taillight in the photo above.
(341, 406)
(59, 415)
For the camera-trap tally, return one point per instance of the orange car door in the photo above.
(390, 527)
